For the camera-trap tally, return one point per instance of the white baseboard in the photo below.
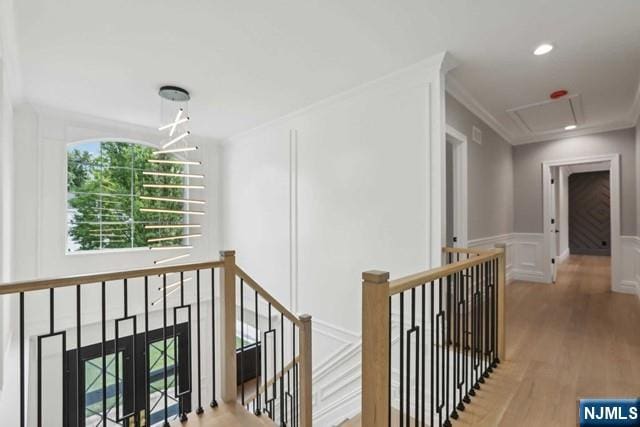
(563, 256)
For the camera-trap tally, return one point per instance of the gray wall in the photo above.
(490, 175)
(527, 163)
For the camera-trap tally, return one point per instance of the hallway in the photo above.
(566, 341)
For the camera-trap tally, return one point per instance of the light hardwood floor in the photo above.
(226, 415)
(565, 341)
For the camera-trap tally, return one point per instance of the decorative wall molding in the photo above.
(524, 254)
(630, 278)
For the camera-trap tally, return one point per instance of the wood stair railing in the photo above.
(430, 340)
(171, 358)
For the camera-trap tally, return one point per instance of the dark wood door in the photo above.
(589, 213)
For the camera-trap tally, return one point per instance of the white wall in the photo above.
(8, 90)
(349, 184)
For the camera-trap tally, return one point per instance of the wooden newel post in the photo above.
(229, 387)
(306, 401)
(502, 281)
(375, 349)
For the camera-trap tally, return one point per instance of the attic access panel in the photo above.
(548, 116)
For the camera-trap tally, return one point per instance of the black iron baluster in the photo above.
(294, 409)
(180, 395)
(486, 318)
(461, 335)
(440, 321)
(495, 313)
(454, 307)
(401, 407)
(424, 354)
(390, 359)
(214, 402)
(481, 283)
(78, 352)
(282, 397)
(164, 353)
(133, 414)
(447, 351)
(104, 353)
(431, 378)
(468, 305)
(22, 363)
(199, 410)
(259, 349)
(476, 329)
(242, 338)
(147, 382)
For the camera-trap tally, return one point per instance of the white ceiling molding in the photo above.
(9, 49)
(455, 89)
(562, 134)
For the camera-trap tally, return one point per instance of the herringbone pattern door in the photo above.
(589, 213)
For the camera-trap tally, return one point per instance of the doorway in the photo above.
(455, 183)
(589, 213)
(600, 228)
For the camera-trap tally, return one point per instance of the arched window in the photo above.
(105, 180)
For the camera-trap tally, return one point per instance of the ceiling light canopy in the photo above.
(543, 49)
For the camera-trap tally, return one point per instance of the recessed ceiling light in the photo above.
(543, 49)
(570, 127)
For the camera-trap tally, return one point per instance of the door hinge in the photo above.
(553, 181)
(455, 240)
(553, 260)
(553, 220)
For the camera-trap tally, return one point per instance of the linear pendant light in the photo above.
(175, 150)
(160, 226)
(174, 258)
(184, 187)
(172, 174)
(176, 139)
(171, 211)
(176, 283)
(165, 194)
(172, 199)
(170, 248)
(165, 239)
(175, 162)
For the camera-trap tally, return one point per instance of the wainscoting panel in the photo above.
(524, 254)
(630, 281)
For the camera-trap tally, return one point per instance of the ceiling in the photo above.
(249, 62)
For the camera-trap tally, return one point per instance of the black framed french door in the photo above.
(126, 393)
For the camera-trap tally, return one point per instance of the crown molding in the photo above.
(462, 95)
(562, 134)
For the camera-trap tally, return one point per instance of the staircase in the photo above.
(163, 346)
